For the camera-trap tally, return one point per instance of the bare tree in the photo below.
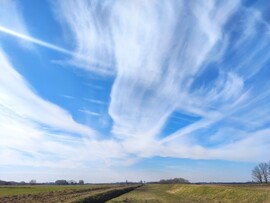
(264, 171)
(268, 169)
(257, 175)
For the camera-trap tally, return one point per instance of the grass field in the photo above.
(18, 190)
(197, 193)
(154, 193)
(53, 194)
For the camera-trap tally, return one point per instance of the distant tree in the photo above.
(81, 182)
(264, 171)
(268, 169)
(33, 182)
(257, 175)
(3, 182)
(61, 182)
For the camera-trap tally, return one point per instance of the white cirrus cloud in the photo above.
(158, 50)
(155, 57)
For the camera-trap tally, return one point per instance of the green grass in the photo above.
(18, 190)
(56, 194)
(197, 193)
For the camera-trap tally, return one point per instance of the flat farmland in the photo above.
(191, 193)
(53, 194)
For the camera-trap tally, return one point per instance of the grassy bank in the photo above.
(197, 193)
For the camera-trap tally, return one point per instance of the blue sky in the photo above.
(141, 90)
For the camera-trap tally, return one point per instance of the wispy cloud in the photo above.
(89, 112)
(34, 131)
(68, 96)
(34, 40)
(160, 65)
(19, 98)
(91, 33)
(50, 46)
(95, 101)
(164, 65)
(154, 79)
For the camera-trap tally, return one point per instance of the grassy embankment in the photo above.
(197, 193)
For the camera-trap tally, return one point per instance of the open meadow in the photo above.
(55, 194)
(150, 193)
(191, 193)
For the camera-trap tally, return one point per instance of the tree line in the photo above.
(174, 181)
(70, 182)
(261, 172)
(34, 182)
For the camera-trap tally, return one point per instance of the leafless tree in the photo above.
(257, 175)
(268, 171)
(261, 172)
(264, 171)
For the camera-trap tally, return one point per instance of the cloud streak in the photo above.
(42, 43)
(34, 40)
(12, 18)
